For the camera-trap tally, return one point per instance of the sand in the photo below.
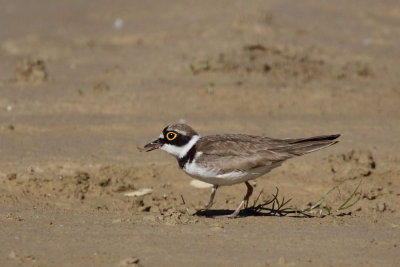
(83, 85)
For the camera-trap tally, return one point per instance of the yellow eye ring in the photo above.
(171, 136)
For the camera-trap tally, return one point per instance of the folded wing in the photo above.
(239, 152)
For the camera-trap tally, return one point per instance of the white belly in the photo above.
(212, 177)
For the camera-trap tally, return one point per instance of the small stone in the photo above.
(118, 23)
(139, 192)
(200, 184)
(381, 207)
(129, 261)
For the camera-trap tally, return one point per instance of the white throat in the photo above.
(181, 151)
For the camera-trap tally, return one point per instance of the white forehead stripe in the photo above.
(181, 151)
(181, 132)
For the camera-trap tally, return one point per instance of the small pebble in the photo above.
(200, 184)
(129, 261)
(381, 207)
(118, 23)
(139, 192)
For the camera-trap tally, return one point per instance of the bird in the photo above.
(228, 159)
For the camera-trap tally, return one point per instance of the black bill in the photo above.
(154, 145)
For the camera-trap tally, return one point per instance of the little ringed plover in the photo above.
(227, 159)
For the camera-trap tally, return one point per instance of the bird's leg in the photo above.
(210, 202)
(246, 198)
(248, 194)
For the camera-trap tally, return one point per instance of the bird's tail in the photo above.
(303, 146)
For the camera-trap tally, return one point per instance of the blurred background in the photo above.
(89, 81)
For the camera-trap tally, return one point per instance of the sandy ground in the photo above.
(83, 84)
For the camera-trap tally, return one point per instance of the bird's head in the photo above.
(176, 139)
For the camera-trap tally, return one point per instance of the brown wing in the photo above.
(238, 152)
(243, 152)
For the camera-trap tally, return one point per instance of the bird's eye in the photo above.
(171, 136)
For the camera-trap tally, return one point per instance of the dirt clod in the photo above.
(31, 71)
(352, 165)
(11, 176)
(101, 87)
